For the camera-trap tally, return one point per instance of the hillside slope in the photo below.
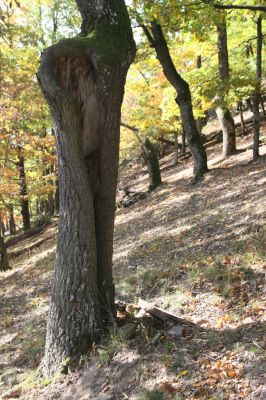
(196, 251)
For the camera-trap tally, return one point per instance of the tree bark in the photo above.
(255, 99)
(56, 196)
(183, 149)
(83, 81)
(12, 225)
(25, 212)
(223, 114)
(4, 264)
(153, 165)
(183, 99)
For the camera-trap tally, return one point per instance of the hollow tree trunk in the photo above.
(4, 265)
(223, 114)
(183, 99)
(25, 212)
(153, 165)
(83, 81)
(255, 99)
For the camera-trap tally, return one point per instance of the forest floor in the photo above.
(196, 251)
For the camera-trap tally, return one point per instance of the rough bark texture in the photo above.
(83, 81)
(183, 99)
(153, 165)
(256, 96)
(4, 265)
(23, 191)
(223, 114)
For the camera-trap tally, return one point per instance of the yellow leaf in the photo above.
(182, 373)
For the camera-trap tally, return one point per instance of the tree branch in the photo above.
(234, 7)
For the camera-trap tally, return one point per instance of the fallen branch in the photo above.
(165, 316)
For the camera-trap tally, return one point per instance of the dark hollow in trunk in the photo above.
(183, 99)
(152, 161)
(25, 212)
(223, 114)
(83, 81)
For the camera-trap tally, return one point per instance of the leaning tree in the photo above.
(83, 81)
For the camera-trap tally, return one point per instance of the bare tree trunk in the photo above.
(83, 81)
(242, 121)
(4, 264)
(223, 114)
(150, 158)
(23, 191)
(153, 165)
(175, 162)
(183, 149)
(12, 225)
(262, 107)
(2, 228)
(256, 96)
(183, 98)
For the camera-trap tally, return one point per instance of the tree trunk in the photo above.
(83, 81)
(12, 225)
(242, 121)
(175, 162)
(50, 201)
(56, 197)
(4, 265)
(183, 99)
(23, 191)
(223, 114)
(183, 148)
(256, 96)
(153, 165)
(262, 107)
(2, 228)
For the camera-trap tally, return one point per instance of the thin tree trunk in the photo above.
(183, 148)
(50, 201)
(23, 191)
(183, 98)
(223, 114)
(262, 107)
(2, 228)
(153, 165)
(256, 96)
(12, 225)
(150, 158)
(4, 264)
(83, 81)
(176, 150)
(242, 121)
